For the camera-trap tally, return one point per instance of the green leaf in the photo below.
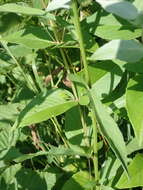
(58, 4)
(134, 67)
(8, 139)
(133, 146)
(32, 37)
(106, 188)
(120, 8)
(124, 50)
(109, 129)
(9, 174)
(8, 114)
(138, 4)
(84, 100)
(26, 179)
(111, 27)
(79, 181)
(56, 151)
(112, 32)
(15, 8)
(109, 74)
(136, 174)
(73, 127)
(134, 102)
(20, 50)
(32, 180)
(45, 106)
(110, 169)
(139, 20)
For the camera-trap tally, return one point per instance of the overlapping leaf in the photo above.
(120, 8)
(33, 37)
(124, 50)
(45, 106)
(134, 102)
(110, 130)
(58, 4)
(15, 8)
(136, 174)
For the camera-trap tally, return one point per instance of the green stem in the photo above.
(87, 78)
(95, 140)
(80, 39)
(61, 50)
(95, 149)
(37, 76)
(84, 124)
(58, 128)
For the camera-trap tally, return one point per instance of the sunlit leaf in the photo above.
(121, 8)
(110, 130)
(134, 102)
(45, 106)
(136, 174)
(124, 50)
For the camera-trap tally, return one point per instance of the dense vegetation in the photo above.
(71, 94)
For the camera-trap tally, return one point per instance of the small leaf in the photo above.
(136, 174)
(134, 102)
(120, 8)
(84, 100)
(124, 50)
(45, 106)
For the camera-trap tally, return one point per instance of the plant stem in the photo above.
(80, 39)
(87, 78)
(95, 149)
(58, 128)
(37, 76)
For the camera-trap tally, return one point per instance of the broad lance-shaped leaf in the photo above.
(124, 50)
(32, 37)
(15, 8)
(56, 151)
(120, 8)
(109, 129)
(136, 174)
(134, 103)
(45, 106)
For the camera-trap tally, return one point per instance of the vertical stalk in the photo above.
(95, 149)
(36, 75)
(87, 78)
(80, 39)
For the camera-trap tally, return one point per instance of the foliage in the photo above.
(71, 94)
